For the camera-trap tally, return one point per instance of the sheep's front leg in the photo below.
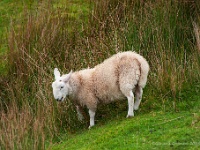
(79, 113)
(92, 114)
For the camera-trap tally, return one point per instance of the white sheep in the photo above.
(117, 77)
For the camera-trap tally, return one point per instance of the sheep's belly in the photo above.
(112, 98)
(109, 95)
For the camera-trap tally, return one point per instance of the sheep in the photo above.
(121, 76)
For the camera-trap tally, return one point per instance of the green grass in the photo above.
(145, 131)
(41, 35)
(12, 14)
(151, 129)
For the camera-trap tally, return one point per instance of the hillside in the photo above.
(38, 36)
(154, 130)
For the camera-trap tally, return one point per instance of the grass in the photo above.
(155, 130)
(80, 34)
(149, 129)
(152, 131)
(11, 15)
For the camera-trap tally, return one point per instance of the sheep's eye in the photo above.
(61, 87)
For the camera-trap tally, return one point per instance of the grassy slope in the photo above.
(9, 10)
(6, 10)
(165, 130)
(145, 131)
(12, 9)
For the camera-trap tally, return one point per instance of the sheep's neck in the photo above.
(73, 87)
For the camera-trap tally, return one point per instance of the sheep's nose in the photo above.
(59, 99)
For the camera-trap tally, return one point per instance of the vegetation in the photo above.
(156, 130)
(79, 34)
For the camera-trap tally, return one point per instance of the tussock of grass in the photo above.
(49, 34)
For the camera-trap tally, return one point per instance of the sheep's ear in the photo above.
(56, 73)
(67, 76)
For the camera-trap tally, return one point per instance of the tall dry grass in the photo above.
(52, 37)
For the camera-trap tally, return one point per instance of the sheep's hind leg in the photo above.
(138, 95)
(130, 98)
(92, 114)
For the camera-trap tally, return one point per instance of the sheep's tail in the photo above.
(144, 69)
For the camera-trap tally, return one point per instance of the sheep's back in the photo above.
(107, 75)
(105, 80)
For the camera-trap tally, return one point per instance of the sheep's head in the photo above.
(60, 85)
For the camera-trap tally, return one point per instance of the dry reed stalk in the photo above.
(197, 35)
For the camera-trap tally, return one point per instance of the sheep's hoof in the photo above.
(130, 116)
(90, 127)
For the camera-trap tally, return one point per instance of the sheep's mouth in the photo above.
(60, 99)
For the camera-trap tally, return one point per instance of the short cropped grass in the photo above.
(147, 131)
